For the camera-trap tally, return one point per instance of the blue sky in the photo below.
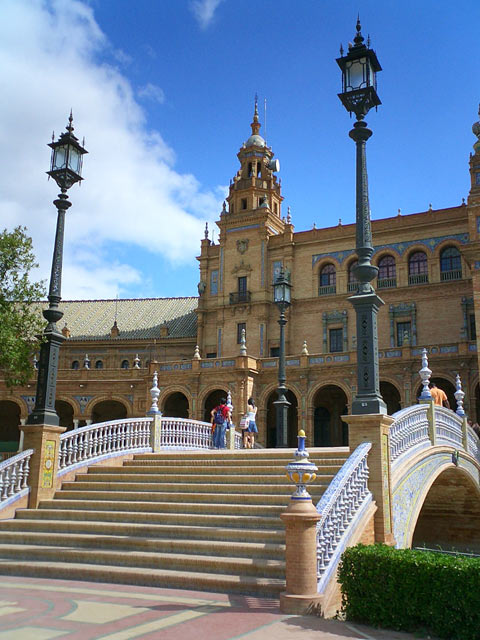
(163, 93)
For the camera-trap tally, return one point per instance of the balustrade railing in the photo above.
(104, 438)
(473, 443)
(347, 494)
(182, 433)
(409, 430)
(14, 475)
(448, 428)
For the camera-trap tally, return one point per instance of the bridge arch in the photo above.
(433, 481)
(450, 514)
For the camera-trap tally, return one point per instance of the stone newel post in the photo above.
(300, 521)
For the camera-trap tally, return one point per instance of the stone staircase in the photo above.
(199, 520)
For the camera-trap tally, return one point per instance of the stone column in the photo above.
(301, 594)
(375, 428)
(45, 441)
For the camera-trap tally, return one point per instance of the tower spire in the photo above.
(255, 124)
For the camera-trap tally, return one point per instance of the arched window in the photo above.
(352, 280)
(417, 268)
(99, 364)
(328, 280)
(450, 264)
(75, 364)
(387, 272)
(124, 364)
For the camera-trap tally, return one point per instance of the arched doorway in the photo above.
(108, 410)
(450, 515)
(176, 405)
(9, 422)
(391, 396)
(212, 401)
(292, 420)
(447, 386)
(329, 430)
(65, 414)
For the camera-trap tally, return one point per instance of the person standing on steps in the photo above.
(252, 428)
(221, 418)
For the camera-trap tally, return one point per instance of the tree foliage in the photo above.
(20, 318)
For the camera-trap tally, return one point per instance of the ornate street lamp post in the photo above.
(66, 170)
(282, 298)
(359, 68)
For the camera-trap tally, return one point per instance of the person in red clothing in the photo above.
(439, 396)
(221, 418)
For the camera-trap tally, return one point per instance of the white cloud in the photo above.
(204, 10)
(152, 92)
(51, 60)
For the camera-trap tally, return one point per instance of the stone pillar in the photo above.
(75, 423)
(156, 431)
(301, 594)
(230, 437)
(20, 442)
(375, 428)
(45, 442)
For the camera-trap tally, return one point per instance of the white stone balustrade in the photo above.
(87, 443)
(409, 430)
(346, 495)
(448, 427)
(14, 475)
(182, 433)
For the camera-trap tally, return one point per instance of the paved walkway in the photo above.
(42, 609)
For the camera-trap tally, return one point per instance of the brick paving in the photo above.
(43, 609)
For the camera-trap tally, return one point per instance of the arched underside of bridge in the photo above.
(436, 503)
(450, 515)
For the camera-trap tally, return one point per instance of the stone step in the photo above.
(282, 456)
(213, 466)
(235, 521)
(249, 585)
(279, 500)
(218, 475)
(113, 502)
(97, 527)
(148, 481)
(152, 545)
(187, 487)
(147, 560)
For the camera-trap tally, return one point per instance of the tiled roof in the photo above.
(137, 319)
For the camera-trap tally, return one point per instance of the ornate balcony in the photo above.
(419, 278)
(386, 283)
(240, 297)
(327, 290)
(456, 274)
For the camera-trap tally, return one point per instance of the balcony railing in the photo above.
(239, 297)
(386, 283)
(327, 289)
(456, 274)
(352, 286)
(419, 278)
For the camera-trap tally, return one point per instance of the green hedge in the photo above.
(411, 590)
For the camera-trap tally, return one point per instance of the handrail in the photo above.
(410, 429)
(448, 427)
(346, 495)
(14, 475)
(104, 438)
(183, 433)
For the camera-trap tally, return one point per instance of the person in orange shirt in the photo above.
(439, 396)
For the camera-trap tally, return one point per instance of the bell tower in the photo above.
(254, 189)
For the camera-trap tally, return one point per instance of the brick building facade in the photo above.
(429, 280)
